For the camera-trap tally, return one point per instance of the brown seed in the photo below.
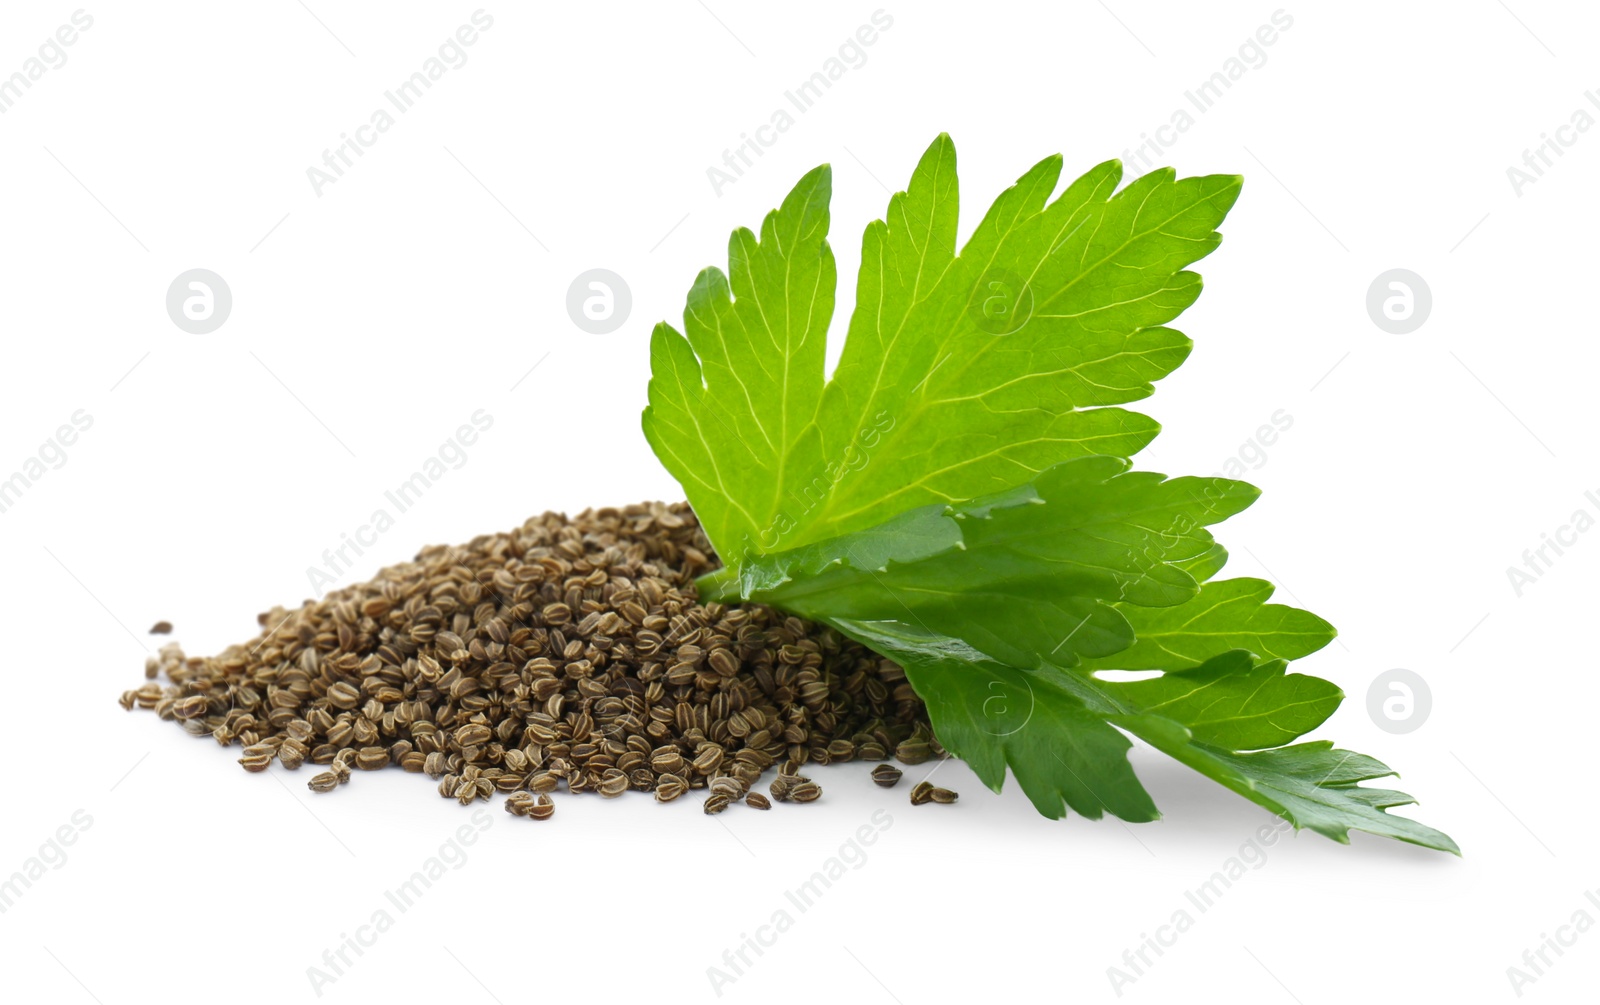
(921, 792)
(291, 754)
(568, 650)
(723, 662)
(667, 761)
(806, 792)
(256, 762)
(913, 752)
(716, 804)
(746, 773)
(323, 781)
(341, 733)
(670, 787)
(781, 786)
(343, 695)
(708, 759)
(757, 801)
(872, 751)
(542, 809)
(161, 628)
(886, 775)
(939, 795)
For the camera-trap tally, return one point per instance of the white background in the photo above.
(371, 320)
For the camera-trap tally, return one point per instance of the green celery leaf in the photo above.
(1226, 614)
(959, 376)
(1313, 785)
(957, 495)
(1028, 575)
(994, 716)
(1052, 729)
(732, 406)
(1233, 701)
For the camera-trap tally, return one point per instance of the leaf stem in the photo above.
(719, 587)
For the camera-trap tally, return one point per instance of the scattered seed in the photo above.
(886, 775)
(758, 801)
(921, 792)
(542, 808)
(939, 795)
(161, 628)
(323, 781)
(291, 755)
(806, 792)
(255, 762)
(716, 804)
